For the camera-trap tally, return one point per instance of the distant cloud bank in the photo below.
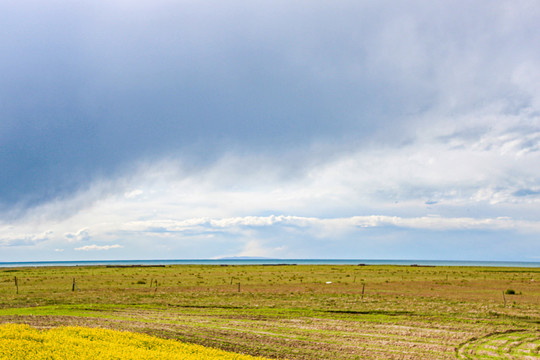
(98, 247)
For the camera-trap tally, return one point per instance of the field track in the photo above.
(509, 345)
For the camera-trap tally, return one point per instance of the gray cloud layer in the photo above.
(90, 88)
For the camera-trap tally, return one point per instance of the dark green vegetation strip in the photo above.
(294, 312)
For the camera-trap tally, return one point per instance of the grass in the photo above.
(290, 311)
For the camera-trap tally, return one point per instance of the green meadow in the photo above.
(294, 311)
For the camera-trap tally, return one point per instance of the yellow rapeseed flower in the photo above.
(23, 342)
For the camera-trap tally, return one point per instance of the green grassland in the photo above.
(294, 312)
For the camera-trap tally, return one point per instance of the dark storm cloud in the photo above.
(89, 88)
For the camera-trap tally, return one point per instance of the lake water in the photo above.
(276, 261)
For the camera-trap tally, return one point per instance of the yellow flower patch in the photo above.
(22, 342)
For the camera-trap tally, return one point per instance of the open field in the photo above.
(366, 312)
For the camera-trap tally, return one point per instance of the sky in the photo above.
(285, 129)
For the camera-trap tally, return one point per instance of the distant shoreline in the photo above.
(261, 261)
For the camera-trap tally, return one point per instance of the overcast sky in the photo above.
(288, 129)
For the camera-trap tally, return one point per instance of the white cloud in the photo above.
(133, 194)
(328, 227)
(81, 235)
(98, 247)
(258, 248)
(11, 237)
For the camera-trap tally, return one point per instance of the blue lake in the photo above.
(276, 261)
